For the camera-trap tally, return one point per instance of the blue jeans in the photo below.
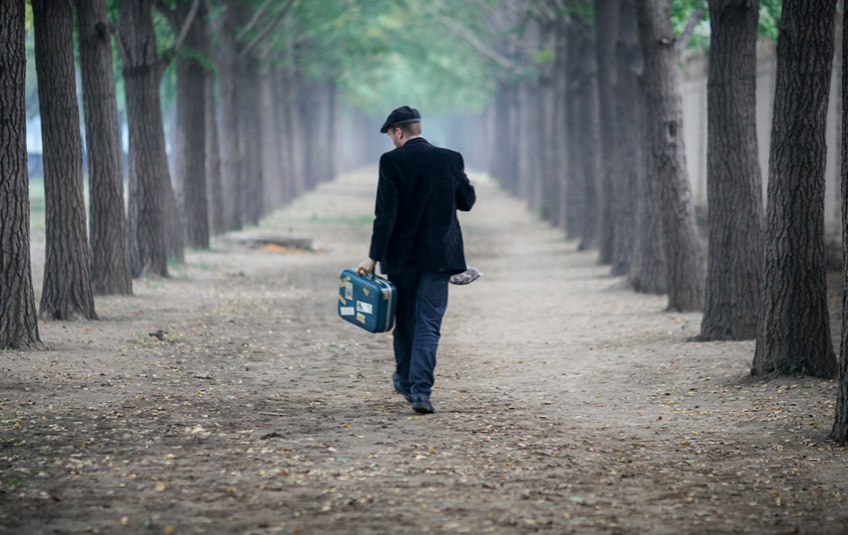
(422, 298)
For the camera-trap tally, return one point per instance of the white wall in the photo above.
(694, 88)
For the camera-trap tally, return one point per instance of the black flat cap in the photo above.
(402, 115)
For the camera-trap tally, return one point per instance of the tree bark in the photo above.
(230, 143)
(332, 124)
(647, 267)
(606, 26)
(298, 132)
(684, 264)
(839, 431)
(190, 153)
(240, 95)
(108, 228)
(505, 161)
(734, 184)
(529, 120)
(576, 206)
(585, 126)
(214, 185)
(281, 94)
(308, 105)
(628, 160)
(148, 165)
(18, 321)
(794, 331)
(272, 145)
(174, 240)
(248, 97)
(547, 190)
(66, 293)
(561, 134)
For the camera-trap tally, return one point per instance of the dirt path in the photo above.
(563, 406)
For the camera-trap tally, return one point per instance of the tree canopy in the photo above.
(383, 53)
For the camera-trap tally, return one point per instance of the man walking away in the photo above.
(418, 243)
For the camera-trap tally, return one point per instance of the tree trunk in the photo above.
(332, 124)
(547, 189)
(606, 25)
(190, 150)
(576, 207)
(66, 292)
(248, 97)
(228, 127)
(231, 159)
(529, 137)
(647, 267)
(794, 334)
(214, 186)
(18, 321)
(272, 145)
(684, 264)
(505, 166)
(174, 241)
(628, 162)
(298, 132)
(585, 129)
(148, 166)
(560, 118)
(333, 130)
(734, 184)
(839, 431)
(281, 94)
(307, 97)
(108, 228)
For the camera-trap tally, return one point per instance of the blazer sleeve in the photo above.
(465, 194)
(385, 211)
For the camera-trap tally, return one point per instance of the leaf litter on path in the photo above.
(260, 412)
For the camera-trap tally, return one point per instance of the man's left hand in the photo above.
(367, 266)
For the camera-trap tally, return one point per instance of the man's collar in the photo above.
(418, 139)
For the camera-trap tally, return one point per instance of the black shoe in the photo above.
(396, 381)
(423, 406)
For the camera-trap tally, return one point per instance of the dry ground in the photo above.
(564, 405)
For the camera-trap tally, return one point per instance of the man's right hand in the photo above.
(367, 266)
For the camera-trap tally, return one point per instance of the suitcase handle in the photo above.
(373, 276)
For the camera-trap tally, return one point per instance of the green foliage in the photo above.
(28, 22)
(546, 55)
(682, 12)
(385, 53)
(582, 9)
(768, 23)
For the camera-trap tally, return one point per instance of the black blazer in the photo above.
(421, 187)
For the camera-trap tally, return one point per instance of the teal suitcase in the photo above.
(367, 301)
